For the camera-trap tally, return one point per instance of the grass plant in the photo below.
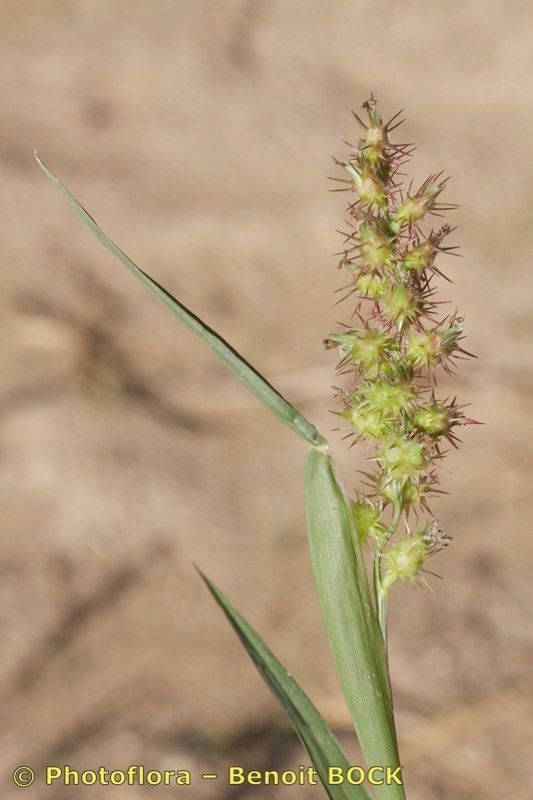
(392, 349)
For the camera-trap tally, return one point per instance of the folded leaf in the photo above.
(264, 392)
(306, 720)
(350, 620)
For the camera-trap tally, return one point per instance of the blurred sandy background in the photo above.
(199, 134)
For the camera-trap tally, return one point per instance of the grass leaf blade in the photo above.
(349, 617)
(306, 720)
(247, 374)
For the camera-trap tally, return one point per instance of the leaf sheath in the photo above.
(349, 617)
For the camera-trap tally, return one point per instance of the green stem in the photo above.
(382, 597)
(380, 589)
(378, 595)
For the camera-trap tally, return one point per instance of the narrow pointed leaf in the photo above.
(349, 616)
(306, 720)
(264, 392)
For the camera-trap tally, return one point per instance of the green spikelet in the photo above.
(391, 254)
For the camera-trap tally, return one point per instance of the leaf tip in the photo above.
(205, 579)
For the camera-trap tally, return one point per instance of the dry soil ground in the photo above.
(200, 135)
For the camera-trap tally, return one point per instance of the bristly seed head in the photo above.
(391, 255)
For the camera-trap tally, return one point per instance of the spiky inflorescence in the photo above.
(397, 346)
